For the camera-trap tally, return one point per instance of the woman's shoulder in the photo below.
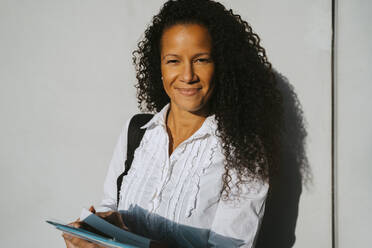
(137, 120)
(140, 119)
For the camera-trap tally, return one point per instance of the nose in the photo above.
(188, 74)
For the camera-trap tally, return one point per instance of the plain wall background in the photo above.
(353, 123)
(67, 81)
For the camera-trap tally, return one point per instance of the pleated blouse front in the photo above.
(176, 198)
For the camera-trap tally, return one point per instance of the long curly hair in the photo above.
(245, 100)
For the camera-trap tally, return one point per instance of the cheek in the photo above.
(210, 82)
(208, 77)
(166, 72)
(164, 79)
(169, 76)
(170, 73)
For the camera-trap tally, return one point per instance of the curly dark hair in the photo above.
(245, 100)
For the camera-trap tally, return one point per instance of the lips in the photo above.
(188, 91)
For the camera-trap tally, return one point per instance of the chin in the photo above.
(192, 108)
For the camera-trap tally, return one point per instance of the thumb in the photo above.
(91, 209)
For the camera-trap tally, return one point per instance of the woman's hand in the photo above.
(112, 217)
(74, 242)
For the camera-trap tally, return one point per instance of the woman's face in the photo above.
(187, 67)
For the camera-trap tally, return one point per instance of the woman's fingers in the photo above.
(69, 244)
(76, 224)
(114, 218)
(73, 242)
(91, 209)
(66, 236)
(120, 222)
(68, 240)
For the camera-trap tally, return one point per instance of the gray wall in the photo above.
(67, 87)
(354, 122)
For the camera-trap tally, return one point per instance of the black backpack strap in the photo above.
(135, 134)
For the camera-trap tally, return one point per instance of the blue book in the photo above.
(118, 236)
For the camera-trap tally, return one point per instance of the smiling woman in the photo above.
(187, 72)
(187, 67)
(200, 175)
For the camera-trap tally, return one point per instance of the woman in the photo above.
(200, 176)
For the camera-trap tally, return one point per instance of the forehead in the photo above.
(181, 36)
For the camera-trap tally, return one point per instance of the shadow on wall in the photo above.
(281, 210)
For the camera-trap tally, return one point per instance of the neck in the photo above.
(182, 124)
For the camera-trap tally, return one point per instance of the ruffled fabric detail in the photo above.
(184, 176)
(153, 169)
(186, 165)
(144, 172)
(162, 195)
(169, 186)
(192, 203)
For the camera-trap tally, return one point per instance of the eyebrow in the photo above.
(196, 55)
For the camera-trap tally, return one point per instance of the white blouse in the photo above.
(176, 198)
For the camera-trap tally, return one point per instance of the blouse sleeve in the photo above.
(237, 222)
(116, 167)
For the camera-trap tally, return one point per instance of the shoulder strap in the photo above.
(135, 135)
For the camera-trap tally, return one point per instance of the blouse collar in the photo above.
(209, 125)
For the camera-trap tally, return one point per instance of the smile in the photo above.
(188, 92)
